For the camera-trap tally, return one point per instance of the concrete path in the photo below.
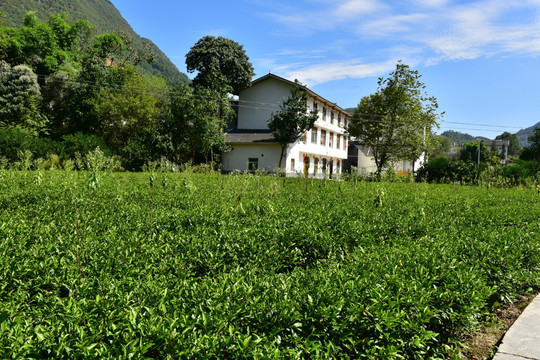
(522, 340)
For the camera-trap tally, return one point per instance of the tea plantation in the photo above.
(188, 266)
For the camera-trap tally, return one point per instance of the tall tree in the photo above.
(515, 147)
(219, 61)
(292, 120)
(396, 121)
(20, 97)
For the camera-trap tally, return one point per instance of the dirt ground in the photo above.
(483, 344)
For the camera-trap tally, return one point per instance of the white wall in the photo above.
(259, 101)
(237, 159)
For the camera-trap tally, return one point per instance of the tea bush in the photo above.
(248, 266)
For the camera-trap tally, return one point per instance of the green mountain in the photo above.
(100, 13)
(457, 137)
(524, 134)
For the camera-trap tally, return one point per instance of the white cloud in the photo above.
(431, 31)
(321, 73)
(353, 8)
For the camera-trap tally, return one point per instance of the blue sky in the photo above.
(480, 59)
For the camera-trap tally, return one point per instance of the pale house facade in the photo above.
(251, 143)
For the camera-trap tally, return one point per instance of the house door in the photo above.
(331, 168)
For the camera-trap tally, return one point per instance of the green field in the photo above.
(211, 266)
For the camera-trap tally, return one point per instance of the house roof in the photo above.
(294, 83)
(249, 136)
(361, 148)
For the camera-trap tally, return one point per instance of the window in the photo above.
(338, 141)
(253, 164)
(331, 117)
(323, 137)
(314, 135)
(292, 165)
(331, 139)
(344, 142)
(315, 106)
(345, 122)
(315, 165)
(324, 114)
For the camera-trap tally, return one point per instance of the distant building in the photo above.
(362, 159)
(500, 145)
(253, 146)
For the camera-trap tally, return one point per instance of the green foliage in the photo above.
(515, 146)
(293, 119)
(103, 16)
(396, 121)
(20, 98)
(442, 146)
(301, 273)
(533, 151)
(457, 137)
(219, 62)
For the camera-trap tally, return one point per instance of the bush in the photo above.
(83, 144)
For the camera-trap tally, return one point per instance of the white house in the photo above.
(362, 159)
(252, 145)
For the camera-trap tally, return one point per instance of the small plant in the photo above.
(379, 197)
(25, 159)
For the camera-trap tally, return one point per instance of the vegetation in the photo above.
(533, 151)
(144, 265)
(105, 18)
(293, 120)
(396, 121)
(58, 80)
(457, 137)
(514, 148)
(524, 134)
(219, 62)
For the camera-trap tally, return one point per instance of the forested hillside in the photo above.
(103, 16)
(524, 134)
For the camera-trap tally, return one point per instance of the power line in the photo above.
(156, 92)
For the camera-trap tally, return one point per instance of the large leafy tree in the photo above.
(515, 147)
(396, 121)
(292, 120)
(219, 61)
(197, 127)
(20, 97)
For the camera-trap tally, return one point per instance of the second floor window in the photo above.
(338, 141)
(314, 135)
(331, 139)
(323, 137)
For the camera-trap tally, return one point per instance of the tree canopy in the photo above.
(219, 61)
(292, 120)
(59, 82)
(396, 122)
(533, 151)
(515, 147)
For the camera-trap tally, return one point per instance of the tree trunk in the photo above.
(281, 156)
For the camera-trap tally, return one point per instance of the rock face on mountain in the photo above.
(100, 13)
